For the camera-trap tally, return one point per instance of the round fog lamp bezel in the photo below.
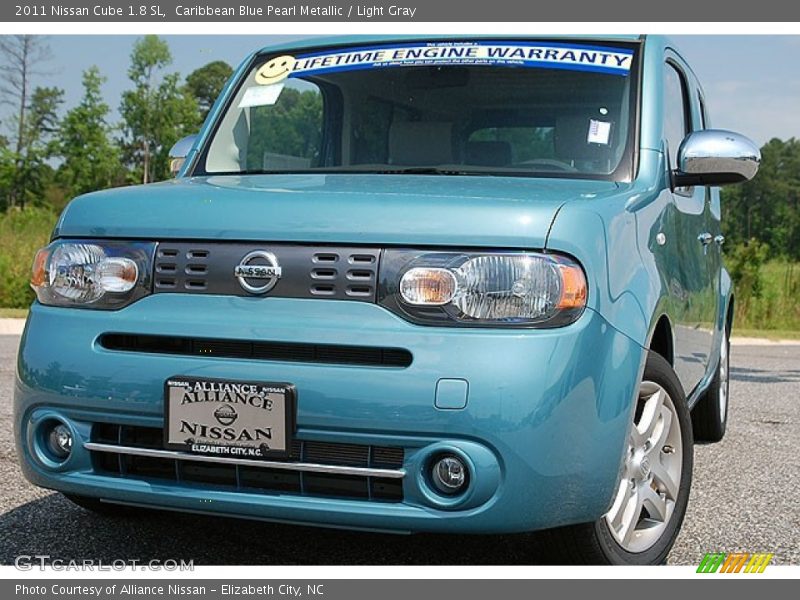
(53, 443)
(42, 442)
(438, 485)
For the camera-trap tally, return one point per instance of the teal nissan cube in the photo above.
(403, 284)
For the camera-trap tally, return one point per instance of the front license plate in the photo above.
(239, 419)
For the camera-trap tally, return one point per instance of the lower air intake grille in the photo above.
(254, 479)
(273, 351)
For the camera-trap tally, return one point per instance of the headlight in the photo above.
(524, 289)
(92, 274)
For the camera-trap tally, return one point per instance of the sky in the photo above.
(752, 83)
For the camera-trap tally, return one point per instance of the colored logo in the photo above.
(735, 562)
(275, 70)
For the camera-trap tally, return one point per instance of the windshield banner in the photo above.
(602, 59)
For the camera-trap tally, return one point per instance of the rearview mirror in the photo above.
(179, 152)
(715, 157)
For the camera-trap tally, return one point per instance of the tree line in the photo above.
(765, 213)
(46, 158)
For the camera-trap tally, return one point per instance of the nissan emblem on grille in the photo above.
(258, 265)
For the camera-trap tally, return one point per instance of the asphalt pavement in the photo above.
(744, 498)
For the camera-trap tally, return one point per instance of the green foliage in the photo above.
(775, 308)
(761, 219)
(91, 159)
(32, 172)
(766, 291)
(20, 56)
(768, 207)
(22, 233)
(744, 263)
(150, 53)
(25, 174)
(157, 112)
(7, 172)
(206, 84)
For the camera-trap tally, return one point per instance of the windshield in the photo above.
(484, 108)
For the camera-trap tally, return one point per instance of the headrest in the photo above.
(488, 154)
(424, 143)
(572, 139)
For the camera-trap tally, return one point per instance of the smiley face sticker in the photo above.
(275, 70)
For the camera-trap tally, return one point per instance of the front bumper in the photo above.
(543, 430)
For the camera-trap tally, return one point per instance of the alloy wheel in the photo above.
(650, 484)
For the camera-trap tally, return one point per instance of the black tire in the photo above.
(593, 543)
(709, 417)
(106, 509)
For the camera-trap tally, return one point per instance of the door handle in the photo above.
(720, 239)
(705, 238)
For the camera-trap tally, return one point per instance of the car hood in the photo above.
(353, 209)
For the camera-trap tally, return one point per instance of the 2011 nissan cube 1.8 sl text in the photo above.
(453, 285)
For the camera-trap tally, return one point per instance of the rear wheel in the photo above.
(650, 501)
(710, 415)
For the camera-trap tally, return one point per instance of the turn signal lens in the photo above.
(573, 287)
(428, 286)
(117, 274)
(39, 274)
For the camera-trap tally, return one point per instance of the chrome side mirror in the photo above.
(715, 157)
(179, 152)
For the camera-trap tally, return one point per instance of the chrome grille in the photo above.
(314, 468)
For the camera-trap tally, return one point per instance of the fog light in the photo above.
(449, 475)
(59, 441)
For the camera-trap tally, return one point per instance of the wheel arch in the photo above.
(661, 339)
(727, 299)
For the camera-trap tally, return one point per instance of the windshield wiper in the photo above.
(360, 171)
(427, 171)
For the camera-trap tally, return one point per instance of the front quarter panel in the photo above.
(602, 236)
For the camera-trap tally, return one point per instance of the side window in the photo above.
(676, 125)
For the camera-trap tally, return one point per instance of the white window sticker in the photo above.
(599, 132)
(261, 95)
(600, 59)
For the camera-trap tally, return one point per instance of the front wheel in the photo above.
(650, 501)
